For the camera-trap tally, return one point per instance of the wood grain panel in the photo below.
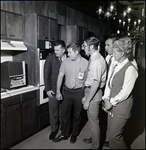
(2, 4)
(29, 7)
(52, 6)
(8, 6)
(61, 19)
(81, 20)
(17, 7)
(45, 9)
(39, 7)
(22, 7)
(53, 9)
(61, 9)
(52, 15)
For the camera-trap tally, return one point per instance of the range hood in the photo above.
(13, 45)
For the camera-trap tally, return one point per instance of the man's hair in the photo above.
(113, 39)
(93, 41)
(74, 46)
(60, 42)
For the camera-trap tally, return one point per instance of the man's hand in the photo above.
(59, 96)
(107, 104)
(86, 105)
(83, 100)
(50, 93)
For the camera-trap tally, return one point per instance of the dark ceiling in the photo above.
(88, 7)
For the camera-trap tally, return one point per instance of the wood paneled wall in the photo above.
(54, 9)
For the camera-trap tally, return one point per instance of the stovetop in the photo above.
(3, 90)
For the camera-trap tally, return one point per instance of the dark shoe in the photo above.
(87, 140)
(73, 139)
(106, 144)
(52, 135)
(97, 148)
(60, 138)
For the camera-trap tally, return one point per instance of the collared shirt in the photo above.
(107, 90)
(131, 75)
(63, 58)
(74, 72)
(97, 70)
(108, 57)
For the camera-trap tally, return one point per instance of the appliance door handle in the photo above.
(11, 35)
(18, 78)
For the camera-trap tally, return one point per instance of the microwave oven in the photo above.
(13, 74)
(45, 48)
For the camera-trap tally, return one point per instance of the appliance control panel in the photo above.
(16, 82)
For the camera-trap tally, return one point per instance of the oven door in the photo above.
(42, 62)
(43, 96)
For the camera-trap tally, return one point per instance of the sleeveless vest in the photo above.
(123, 109)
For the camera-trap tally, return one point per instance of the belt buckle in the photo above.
(88, 87)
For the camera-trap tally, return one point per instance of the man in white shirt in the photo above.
(109, 49)
(110, 62)
(95, 81)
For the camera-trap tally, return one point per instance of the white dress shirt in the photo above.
(131, 75)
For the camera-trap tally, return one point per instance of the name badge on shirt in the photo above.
(81, 75)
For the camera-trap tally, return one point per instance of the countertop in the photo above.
(17, 91)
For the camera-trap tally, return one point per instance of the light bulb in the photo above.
(139, 21)
(129, 9)
(129, 20)
(120, 21)
(123, 23)
(135, 23)
(118, 31)
(100, 10)
(124, 14)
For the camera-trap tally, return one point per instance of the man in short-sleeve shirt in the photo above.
(73, 69)
(96, 78)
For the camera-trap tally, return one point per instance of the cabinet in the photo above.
(11, 25)
(43, 114)
(53, 29)
(29, 113)
(18, 118)
(36, 27)
(3, 24)
(10, 121)
(73, 34)
(47, 28)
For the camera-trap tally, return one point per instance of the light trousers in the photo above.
(93, 117)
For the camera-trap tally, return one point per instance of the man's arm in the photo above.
(59, 83)
(47, 74)
(93, 90)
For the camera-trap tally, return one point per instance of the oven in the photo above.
(45, 48)
(43, 95)
(43, 98)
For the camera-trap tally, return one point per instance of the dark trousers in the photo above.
(71, 101)
(55, 113)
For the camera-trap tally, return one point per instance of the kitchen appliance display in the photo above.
(45, 47)
(13, 74)
(43, 94)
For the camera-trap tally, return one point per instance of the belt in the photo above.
(73, 89)
(87, 87)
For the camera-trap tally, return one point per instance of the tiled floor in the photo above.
(40, 140)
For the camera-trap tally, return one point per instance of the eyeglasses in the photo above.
(84, 46)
